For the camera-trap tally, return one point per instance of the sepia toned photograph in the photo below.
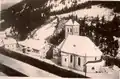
(60, 39)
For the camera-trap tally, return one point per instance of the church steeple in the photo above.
(71, 28)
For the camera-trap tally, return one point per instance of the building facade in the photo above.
(77, 51)
(8, 43)
(34, 47)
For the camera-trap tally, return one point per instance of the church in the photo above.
(79, 52)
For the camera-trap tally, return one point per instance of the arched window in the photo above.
(95, 58)
(65, 59)
(79, 61)
(67, 29)
(70, 29)
(75, 29)
(93, 68)
(71, 58)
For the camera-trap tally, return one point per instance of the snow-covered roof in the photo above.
(70, 22)
(102, 63)
(80, 45)
(32, 43)
(61, 44)
(9, 41)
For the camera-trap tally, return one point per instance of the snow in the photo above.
(2, 21)
(39, 37)
(102, 63)
(24, 6)
(116, 68)
(32, 43)
(60, 4)
(94, 11)
(2, 34)
(61, 44)
(45, 31)
(9, 41)
(8, 30)
(9, 1)
(80, 45)
(70, 22)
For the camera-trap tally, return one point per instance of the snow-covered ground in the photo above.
(8, 3)
(61, 4)
(1, 21)
(94, 11)
(45, 31)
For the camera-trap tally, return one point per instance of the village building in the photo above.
(34, 47)
(8, 43)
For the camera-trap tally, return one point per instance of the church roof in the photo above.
(70, 22)
(80, 45)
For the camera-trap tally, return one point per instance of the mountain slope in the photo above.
(94, 11)
(8, 3)
(57, 5)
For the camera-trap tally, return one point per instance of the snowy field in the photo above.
(94, 11)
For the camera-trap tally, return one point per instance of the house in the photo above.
(8, 43)
(78, 52)
(34, 47)
(71, 28)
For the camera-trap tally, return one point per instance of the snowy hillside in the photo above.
(45, 31)
(58, 5)
(94, 11)
(8, 3)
